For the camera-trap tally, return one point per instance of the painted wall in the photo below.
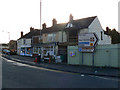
(105, 55)
(21, 43)
(58, 37)
(45, 38)
(96, 27)
(62, 36)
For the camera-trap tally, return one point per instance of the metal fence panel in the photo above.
(104, 55)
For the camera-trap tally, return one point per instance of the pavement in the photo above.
(80, 69)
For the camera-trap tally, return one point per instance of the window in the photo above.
(24, 41)
(51, 37)
(35, 50)
(101, 35)
(35, 39)
(69, 25)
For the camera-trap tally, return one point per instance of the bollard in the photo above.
(49, 60)
(35, 60)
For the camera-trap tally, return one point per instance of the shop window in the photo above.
(22, 50)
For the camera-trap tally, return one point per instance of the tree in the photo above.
(115, 36)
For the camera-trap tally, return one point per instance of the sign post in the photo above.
(87, 43)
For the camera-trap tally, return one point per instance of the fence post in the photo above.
(93, 59)
(82, 58)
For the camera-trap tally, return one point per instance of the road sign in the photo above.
(87, 42)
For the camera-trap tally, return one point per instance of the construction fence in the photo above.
(104, 56)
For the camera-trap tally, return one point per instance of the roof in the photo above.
(3, 44)
(77, 24)
(55, 28)
(35, 32)
(82, 23)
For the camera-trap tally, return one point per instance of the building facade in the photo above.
(24, 43)
(13, 45)
(54, 40)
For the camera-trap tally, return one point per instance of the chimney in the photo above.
(44, 26)
(54, 22)
(31, 29)
(21, 33)
(70, 18)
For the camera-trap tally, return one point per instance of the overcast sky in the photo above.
(20, 15)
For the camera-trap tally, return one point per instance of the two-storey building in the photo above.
(24, 43)
(55, 39)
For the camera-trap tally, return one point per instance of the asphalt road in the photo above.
(17, 75)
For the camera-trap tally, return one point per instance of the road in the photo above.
(18, 75)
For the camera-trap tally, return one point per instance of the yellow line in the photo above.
(41, 68)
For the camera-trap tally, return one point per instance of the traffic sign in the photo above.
(87, 42)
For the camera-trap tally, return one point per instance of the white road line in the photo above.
(21, 64)
(106, 78)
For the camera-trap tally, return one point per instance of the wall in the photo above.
(58, 37)
(45, 38)
(62, 36)
(20, 43)
(27, 43)
(97, 28)
(105, 55)
(119, 55)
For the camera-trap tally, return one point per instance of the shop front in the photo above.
(26, 51)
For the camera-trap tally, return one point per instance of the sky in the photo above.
(20, 15)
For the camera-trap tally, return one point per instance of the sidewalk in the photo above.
(86, 70)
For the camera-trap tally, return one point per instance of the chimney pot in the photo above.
(54, 21)
(21, 33)
(70, 18)
(44, 26)
(31, 29)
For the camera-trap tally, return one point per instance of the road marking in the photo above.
(41, 68)
(82, 75)
(106, 78)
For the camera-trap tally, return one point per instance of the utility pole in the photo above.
(40, 31)
(40, 15)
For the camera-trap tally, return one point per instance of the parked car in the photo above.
(7, 51)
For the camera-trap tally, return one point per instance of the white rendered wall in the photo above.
(97, 28)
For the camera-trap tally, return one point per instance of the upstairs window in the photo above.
(101, 35)
(69, 25)
(35, 40)
(24, 41)
(52, 37)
